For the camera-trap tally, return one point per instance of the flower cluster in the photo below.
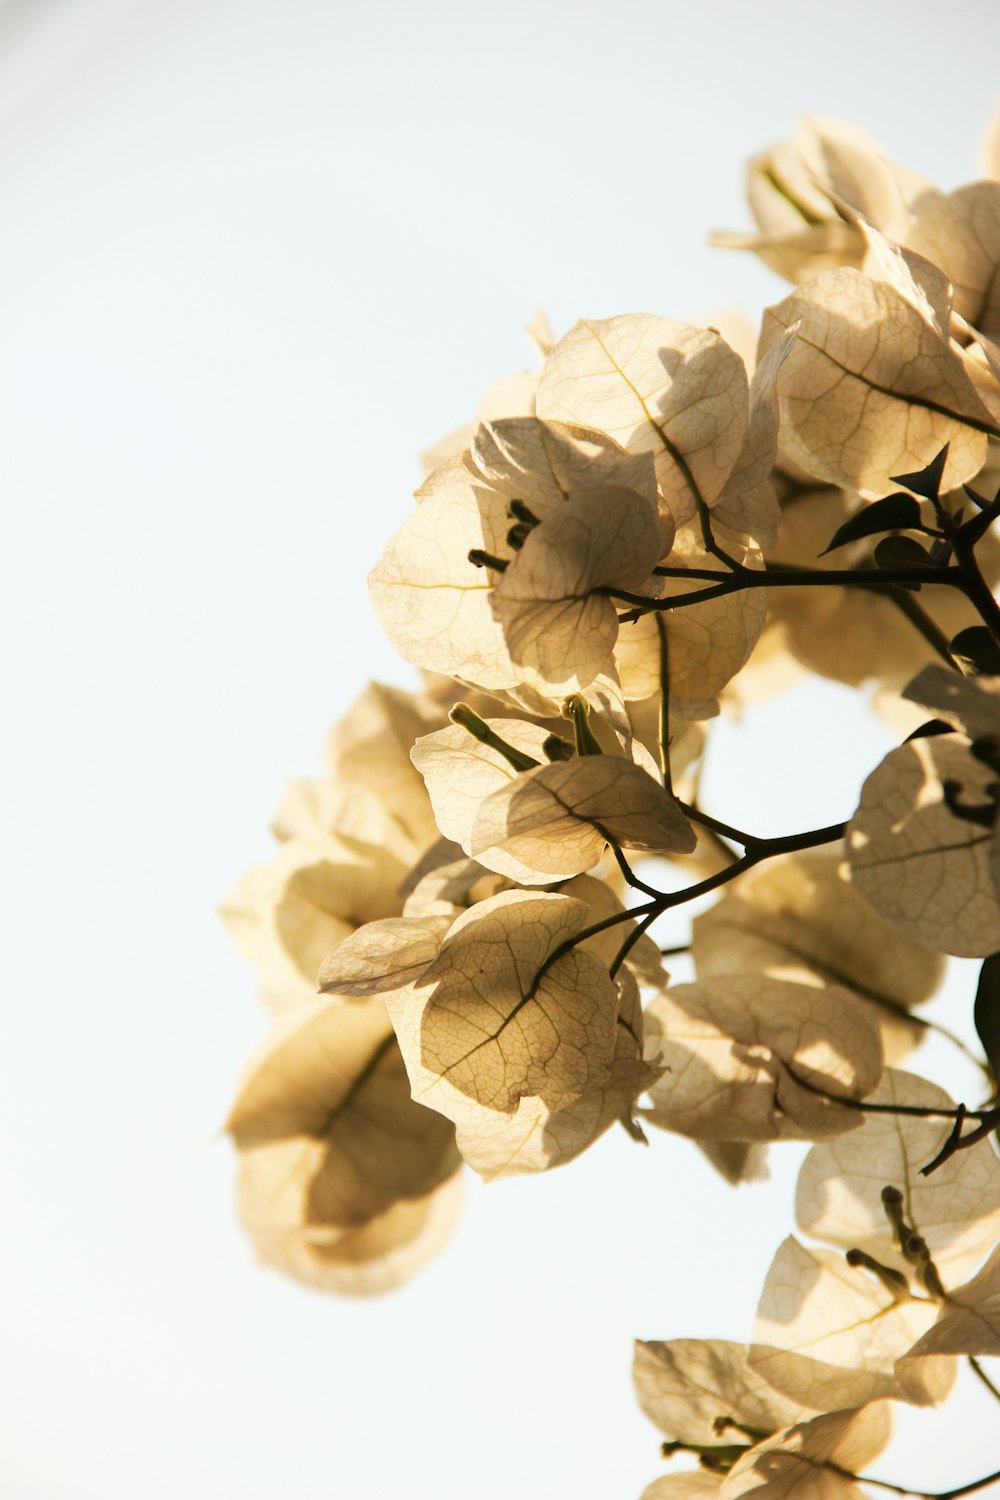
(456, 934)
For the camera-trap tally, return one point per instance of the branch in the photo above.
(759, 847)
(977, 590)
(648, 912)
(899, 1489)
(631, 878)
(987, 1119)
(637, 932)
(977, 1369)
(776, 576)
(921, 621)
(704, 516)
(663, 725)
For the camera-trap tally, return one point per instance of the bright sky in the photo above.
(255, 257)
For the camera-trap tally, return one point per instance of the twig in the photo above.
(977, 1369)
(663, 726)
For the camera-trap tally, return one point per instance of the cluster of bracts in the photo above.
(457, 933)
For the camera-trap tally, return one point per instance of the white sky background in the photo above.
(254, 257)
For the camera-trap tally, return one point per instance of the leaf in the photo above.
(644, 958)
(685, 1385)
(657, 387)
(748, 503)
(800, 231)
(370, 746)
(378, 1257)
(441, 883)
(857, 175)
(869, 388)
(724, 1044)
(483, 1030)
(800, 252)
(382, 956)
(987, 1012)
(917, 279)
(796, 918)
(754, 514)
(536, 1138)
(813, 195)
(687, 742)
(990, 148)
(795, 1463)
(330, 1083)
(969, 704)
(698, 1484)
(829, 1334)
(851, 635)
(707, 644)
(510, 396)
(558, 819)
(969, 1322)
(931, 727)
(286, 915)
(344, 1182)
(960, 232)
(895, 512)
(520, 457)
(452, 445)
(924, 869)
(737, 1161)
(927, 481)
(608, 708)
(956, 1209)
(976, 651)
(314, 807)
(431, 601)
(460, 772)
(558, 630)
(541, 464)
(902, 552)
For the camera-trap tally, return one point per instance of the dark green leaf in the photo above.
(979, 524)
(902, 552)
(977, 651)
(926, 482)
(932, 727)
(987, 1011)
(978, 500)
(894, 513)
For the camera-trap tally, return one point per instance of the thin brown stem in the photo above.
(650, 910)
(631, 878)
(663, 725)
(987, 1119)
(633, 937)
(742, 577)
(921, 621)
(900, 1489)
(976, 587)
(978, 1370)
(567, 946)
(715, 825)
